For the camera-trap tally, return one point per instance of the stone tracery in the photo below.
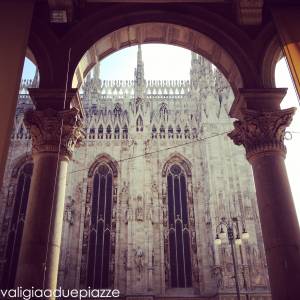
(99, 224)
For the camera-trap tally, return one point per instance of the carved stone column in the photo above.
(262, 134)
(54, 137)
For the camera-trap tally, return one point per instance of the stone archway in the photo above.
(164, 33)
(270, 59)
(52, 48)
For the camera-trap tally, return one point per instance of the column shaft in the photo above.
(42, 231)
(262, 134)
(15, 20)
(54, 137)
(279, 225)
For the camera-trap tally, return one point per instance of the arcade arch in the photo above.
(163, 33)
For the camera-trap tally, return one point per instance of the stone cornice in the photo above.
(58, 99)
(262, 132)
(54, 131)
(265, 99)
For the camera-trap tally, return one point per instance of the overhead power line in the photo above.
(163, 149)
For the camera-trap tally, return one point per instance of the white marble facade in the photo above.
(183, 122)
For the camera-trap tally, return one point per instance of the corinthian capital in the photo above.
(262, 132)
(54, 131)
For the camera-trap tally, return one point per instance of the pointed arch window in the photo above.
(139, 123)
(163, 112)
(99, 237)
(186, 132)
(100, 132)
(92, 133)
(108, 132)
(117, 132)
(178, 131)
(154, 132)
(170, 132)
(16, 225)
(180, 248)
(194, 130)
(179, 236)
(162, 131)
(117, 110)
(125, 132)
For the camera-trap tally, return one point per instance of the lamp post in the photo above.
(233, 235)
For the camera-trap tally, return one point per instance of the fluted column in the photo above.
(54, 137)
(262, 134)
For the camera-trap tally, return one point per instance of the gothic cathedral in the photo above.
(146, 191)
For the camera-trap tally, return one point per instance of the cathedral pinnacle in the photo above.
(139, 54)
(139, 78)
(139, 71)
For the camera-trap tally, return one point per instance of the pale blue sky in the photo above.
(28, 69)
(161, 62)
(170, 62)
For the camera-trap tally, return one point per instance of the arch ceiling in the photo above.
(163, 33)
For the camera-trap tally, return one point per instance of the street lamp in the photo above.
(232, 229)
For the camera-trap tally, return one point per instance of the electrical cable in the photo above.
(160, 150)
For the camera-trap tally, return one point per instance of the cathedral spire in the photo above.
(139, 70)
(139, 79)
(194, 70)
(139, 54)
